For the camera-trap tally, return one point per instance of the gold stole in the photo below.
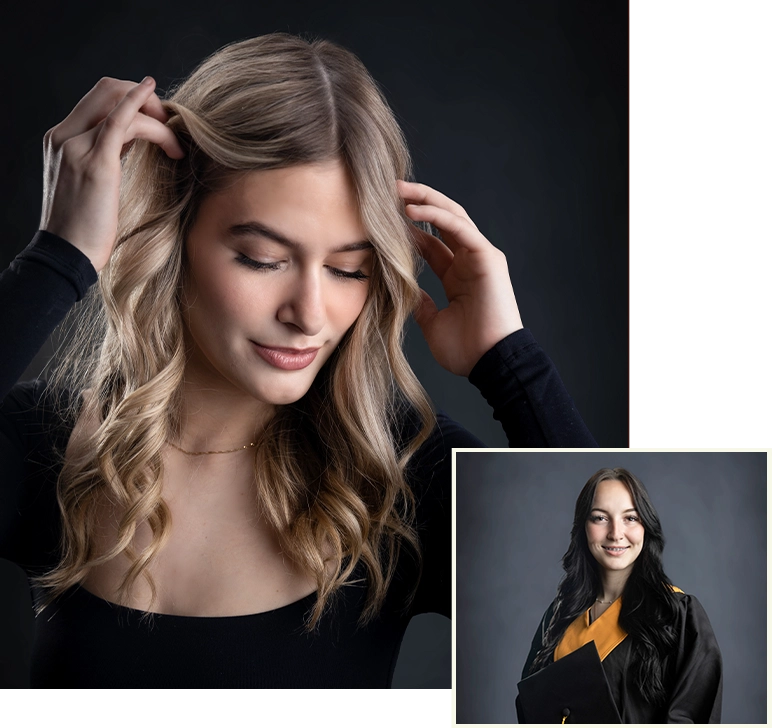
(604, 631)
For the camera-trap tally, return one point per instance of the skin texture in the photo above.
(613, 522)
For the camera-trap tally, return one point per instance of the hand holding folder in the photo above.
(572, 690)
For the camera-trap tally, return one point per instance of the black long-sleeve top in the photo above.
(84, 641)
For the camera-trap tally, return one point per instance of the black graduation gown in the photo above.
(693, 672)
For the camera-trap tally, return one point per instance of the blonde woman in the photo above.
(234, 478)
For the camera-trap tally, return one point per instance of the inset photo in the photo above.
(621, 586)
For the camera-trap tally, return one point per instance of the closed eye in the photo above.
(256, 264)
(356, 275)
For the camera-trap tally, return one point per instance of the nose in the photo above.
(615, 530)
(303, 306)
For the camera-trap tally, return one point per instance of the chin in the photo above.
(289, 398)
(274, 398)
(276, 393)
(620, 567)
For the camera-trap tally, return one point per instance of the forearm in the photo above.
(36, 291)
(528, 397)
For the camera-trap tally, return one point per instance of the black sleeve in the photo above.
(36, 291)
(697, 687)
(528, 397)
(538, 640)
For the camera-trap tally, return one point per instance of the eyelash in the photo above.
(596, 519)
(257, 265)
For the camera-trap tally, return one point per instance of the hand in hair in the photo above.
(82, 162)
(482, 309)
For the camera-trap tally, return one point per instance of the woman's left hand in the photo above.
(482, 309)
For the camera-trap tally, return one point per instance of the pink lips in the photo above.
(289, 359)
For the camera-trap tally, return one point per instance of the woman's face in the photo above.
(278, 270)
(614, 529)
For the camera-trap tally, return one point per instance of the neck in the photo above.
(612, 584)
(217, 416)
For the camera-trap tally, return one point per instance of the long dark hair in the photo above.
(649, 605)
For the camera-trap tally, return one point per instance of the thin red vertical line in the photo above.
(629, 277)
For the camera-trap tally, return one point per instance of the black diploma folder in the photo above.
(574, 688)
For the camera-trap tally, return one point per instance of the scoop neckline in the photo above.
(200, 618)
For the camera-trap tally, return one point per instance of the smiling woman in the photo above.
(278, 266)
(614, 533)
(659, 656)
(235, 451)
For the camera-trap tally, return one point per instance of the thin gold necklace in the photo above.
(210, 452)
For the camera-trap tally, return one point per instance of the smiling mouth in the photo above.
(615, 550)
(284, 358)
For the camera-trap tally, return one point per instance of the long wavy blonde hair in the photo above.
(329, 469)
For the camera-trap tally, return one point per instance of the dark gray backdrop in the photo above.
(513, 520)
(522, 121)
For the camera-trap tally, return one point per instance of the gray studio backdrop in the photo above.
(524, 122)
(514, 512)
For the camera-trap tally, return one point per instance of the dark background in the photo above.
(514, 513)
(523, 120)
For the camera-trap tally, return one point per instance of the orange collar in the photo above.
(604, 631)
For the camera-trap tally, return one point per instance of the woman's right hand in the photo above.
(82, 162)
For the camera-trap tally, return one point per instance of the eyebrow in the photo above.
(255, 228)
(629, 510)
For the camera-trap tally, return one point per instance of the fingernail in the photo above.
(148, 80)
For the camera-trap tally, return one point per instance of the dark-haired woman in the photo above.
(657, 647)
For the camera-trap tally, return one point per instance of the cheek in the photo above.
(593, 534)
(343, 308)
(222, 297)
